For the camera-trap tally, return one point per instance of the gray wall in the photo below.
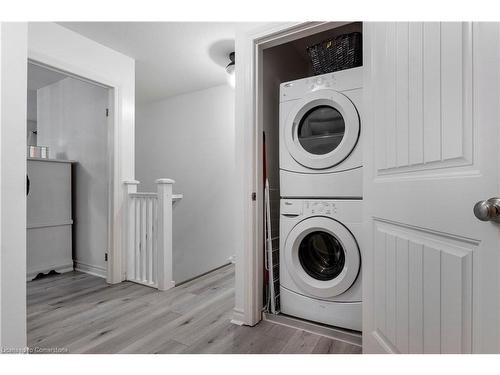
(31, 117)
(72, 122)
(280, 64)
(190, 138)
(31, 106)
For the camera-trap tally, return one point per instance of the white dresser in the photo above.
(49, 217)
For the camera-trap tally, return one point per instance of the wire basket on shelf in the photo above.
(331, 55)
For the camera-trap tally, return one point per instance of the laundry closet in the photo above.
(312, 129)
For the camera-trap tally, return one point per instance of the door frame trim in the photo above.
(115, 264)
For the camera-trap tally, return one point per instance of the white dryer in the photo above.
(320, 261)
(320, 130)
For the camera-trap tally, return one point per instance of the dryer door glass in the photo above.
(321, 130)
(321, 255)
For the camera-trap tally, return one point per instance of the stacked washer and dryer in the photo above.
(321, 198)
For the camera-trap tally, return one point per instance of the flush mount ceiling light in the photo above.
(230, 70)
(230, 66)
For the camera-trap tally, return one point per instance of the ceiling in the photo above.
(39, 77)
(172, 58)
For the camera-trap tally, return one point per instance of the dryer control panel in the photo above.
(343, 80)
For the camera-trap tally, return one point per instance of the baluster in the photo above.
(155, 240)
(137, 238)
(131, 240)
(146, 240)
(143, 239)
(150, 241)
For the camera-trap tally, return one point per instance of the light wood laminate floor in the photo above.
(83, 314)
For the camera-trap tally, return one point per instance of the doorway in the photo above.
(68, 174)
(68, 185)
(256, 90)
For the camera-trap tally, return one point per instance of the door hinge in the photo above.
(107, 112)
(254, 196)
(105, 257)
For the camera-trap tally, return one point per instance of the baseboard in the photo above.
(90, 269)
(201, 275)
(345, 335)
(238, 317)
(61, 268)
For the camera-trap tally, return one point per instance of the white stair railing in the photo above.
(149, 234)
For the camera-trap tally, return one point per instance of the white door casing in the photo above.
(432, 95)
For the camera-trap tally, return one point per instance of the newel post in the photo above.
(165, 276)
(130, 187)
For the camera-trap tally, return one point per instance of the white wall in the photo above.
(190, 138)
(72, 122)
(13, 87)
(56, 46)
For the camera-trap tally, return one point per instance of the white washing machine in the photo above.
(320, 261)
(320, 130)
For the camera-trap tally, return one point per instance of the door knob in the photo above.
(488, 210)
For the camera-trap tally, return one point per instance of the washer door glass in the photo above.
(321, 130)
(321, 255)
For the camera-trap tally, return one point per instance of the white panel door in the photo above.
(431, 268)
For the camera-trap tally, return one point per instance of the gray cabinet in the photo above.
(49, 217)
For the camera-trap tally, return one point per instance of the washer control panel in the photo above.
(319, 208)
(294, 207)
(345, 210)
